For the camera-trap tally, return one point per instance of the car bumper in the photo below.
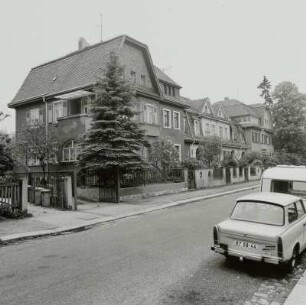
(248, 256)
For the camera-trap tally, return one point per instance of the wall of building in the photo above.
(132, 58)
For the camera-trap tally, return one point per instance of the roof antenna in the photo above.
(101, 25)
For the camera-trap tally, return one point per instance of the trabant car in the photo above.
(267, 227)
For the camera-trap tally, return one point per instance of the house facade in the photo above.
(203, 121)
(256, 122)
(57, 96)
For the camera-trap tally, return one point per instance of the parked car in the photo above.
(267, 227)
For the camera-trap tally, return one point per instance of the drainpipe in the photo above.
(46, 117)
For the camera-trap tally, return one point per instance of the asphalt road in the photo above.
(158, 258)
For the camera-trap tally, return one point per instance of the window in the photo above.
(133, 77)
(300, 208)
(33, 159)
(220, 132)
(150, 114)
(173, 91)
(143, 80)
(196, 127)
(165, 88)
(34, 116)
(258, 212)
(178, 148)
(176, 120)
(292, 213)
(59, 110)
(71, 151)
(207, 129)
(212, 130)
(225, 133)
(206, 109)
(167, 118)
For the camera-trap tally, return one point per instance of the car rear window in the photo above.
(260, 212)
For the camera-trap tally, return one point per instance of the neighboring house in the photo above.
(203, 120)
(57, 94)
(255, 120)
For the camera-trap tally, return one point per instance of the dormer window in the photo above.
(206, 109)
(169, 90)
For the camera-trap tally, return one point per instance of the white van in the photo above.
(289, 179)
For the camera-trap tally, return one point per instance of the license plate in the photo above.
(245, 244)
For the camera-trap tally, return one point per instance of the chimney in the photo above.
(83, 43)
(226, 99)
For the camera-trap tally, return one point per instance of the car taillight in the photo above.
(280, 247)
(216, 238)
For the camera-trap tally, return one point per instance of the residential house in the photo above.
(255, 120)
(57, 94)
(203, 120)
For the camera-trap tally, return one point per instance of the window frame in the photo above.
(63, 109)
(179, 146)
(169, 116)
(198, 127)
(76, 150)
(178, 120)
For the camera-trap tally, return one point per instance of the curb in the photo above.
(4, 240)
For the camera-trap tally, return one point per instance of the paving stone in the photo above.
(260, 295)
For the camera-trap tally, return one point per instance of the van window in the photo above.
(280, 186)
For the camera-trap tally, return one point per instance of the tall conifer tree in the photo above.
(265, 87)
(114, 139)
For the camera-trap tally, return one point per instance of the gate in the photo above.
(109, 186)
(10, 193)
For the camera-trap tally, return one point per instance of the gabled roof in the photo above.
(165, 78)
(235, 108)
(197, 106)
(74, 71)
(217, 107)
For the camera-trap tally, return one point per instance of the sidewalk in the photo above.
(47, 221)
(297, 295)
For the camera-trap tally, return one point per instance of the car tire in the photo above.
(293, 262)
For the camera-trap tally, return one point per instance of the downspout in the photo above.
(46, 117)
(187, 117)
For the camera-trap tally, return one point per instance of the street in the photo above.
(162, 257)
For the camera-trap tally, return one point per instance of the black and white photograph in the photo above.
(152, 152)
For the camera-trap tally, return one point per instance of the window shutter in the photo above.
(64, 108)
(50, 114)
(28, 118)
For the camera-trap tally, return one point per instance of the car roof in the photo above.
(276, 198)
(286, 172)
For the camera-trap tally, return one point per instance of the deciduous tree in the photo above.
(163, 155)
(210, 151)
(289, 119)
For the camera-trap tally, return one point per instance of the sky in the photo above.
(212, 48)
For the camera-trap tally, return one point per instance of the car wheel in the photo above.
(294, 259)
